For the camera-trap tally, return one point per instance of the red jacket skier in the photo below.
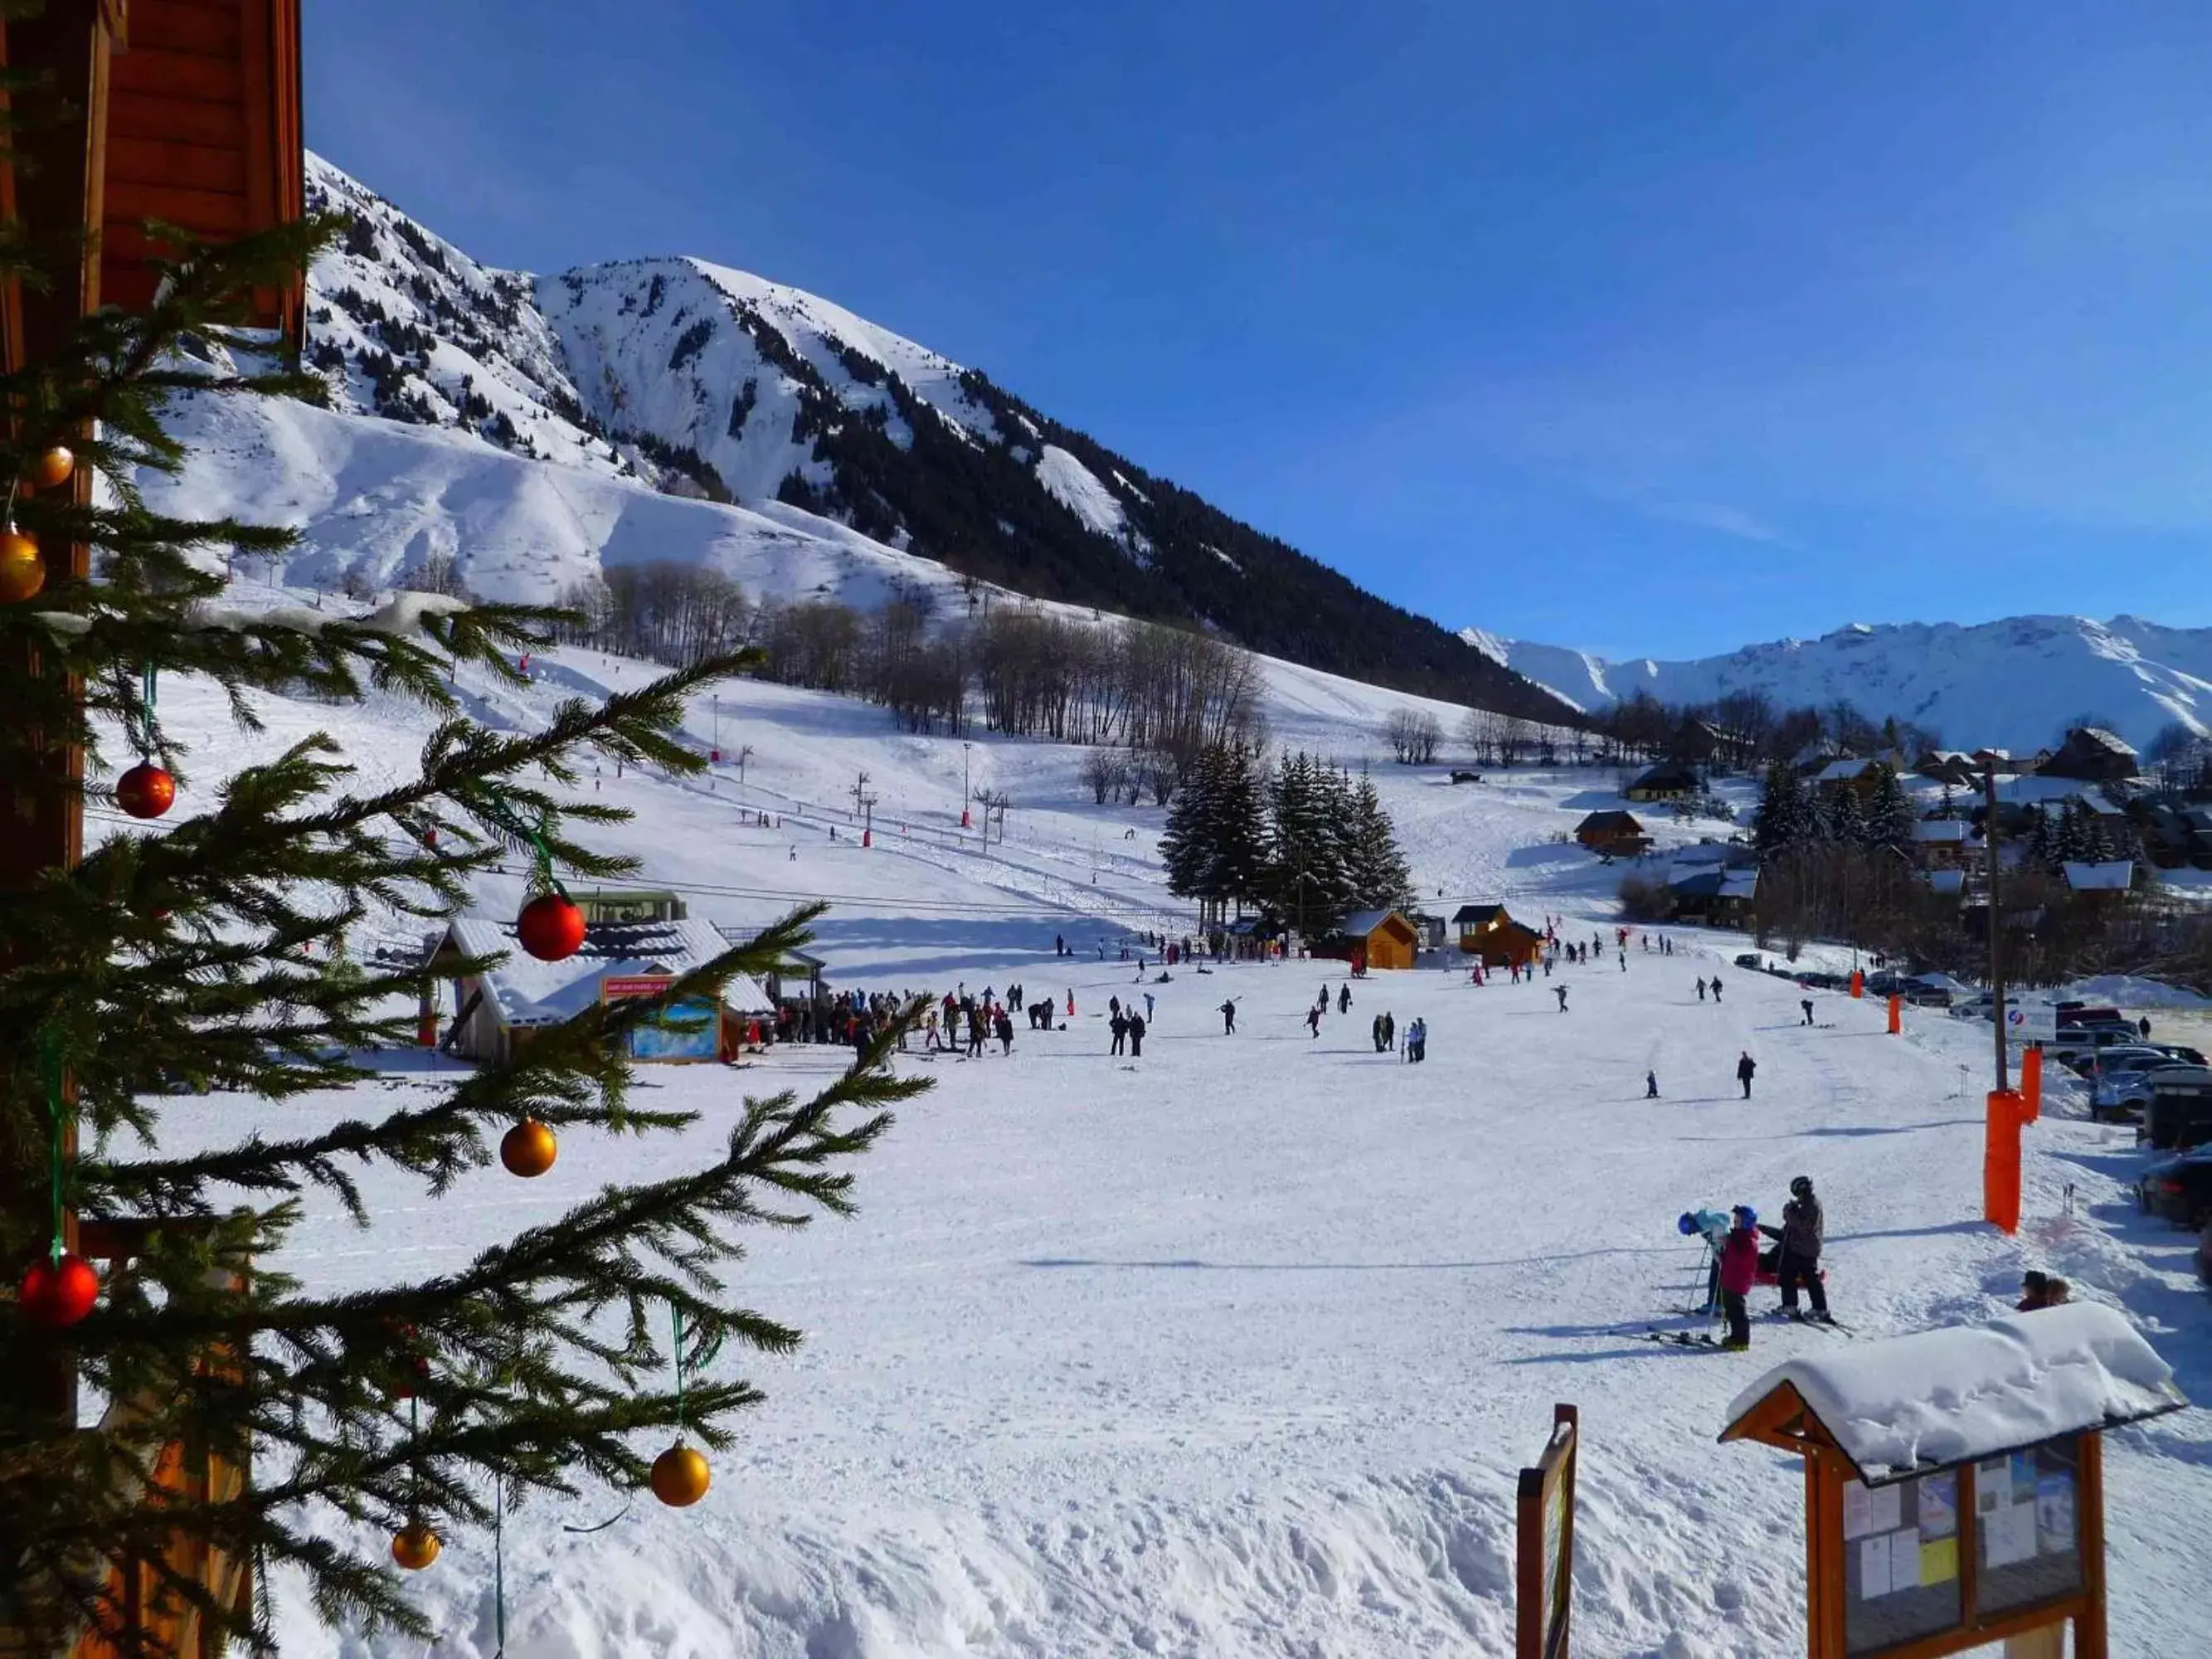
(1739, 1265)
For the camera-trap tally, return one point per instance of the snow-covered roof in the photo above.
(525, 991)
(1705, 852)
(1843, 771)
(1360, 923)
(2115, 877)
(1940, 829)
(1476, 914)
(1739, 883)
(1907, 1404)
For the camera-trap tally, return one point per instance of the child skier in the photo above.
(1739, 1265)
(1798, 1262)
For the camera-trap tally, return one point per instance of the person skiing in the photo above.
(1120, 1027)
(1136, 1036)
(1344, 997)
(1389, 1032)
(1560, 992)
(1229, 1018)
(1805, 1002)
(1313, 1021)
(1651, 1085)
(1739, 1269)
(1376, 1029)
(1716, 988)
(1701, 989)
(1798, 1262)
(1005, 1022)
(1417, 1042)
(1148, 1005)
(1745, 1066)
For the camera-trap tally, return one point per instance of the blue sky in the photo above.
(1653, 328)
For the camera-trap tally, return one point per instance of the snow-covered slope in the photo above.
(2014, 683)
(1232, 1351)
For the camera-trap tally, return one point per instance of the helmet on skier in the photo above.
(1686, 1223)
(1802, 1187)
(1746, 1216)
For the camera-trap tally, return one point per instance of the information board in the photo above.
(2026, 1525)
(688, 1030)
(1900, 1561)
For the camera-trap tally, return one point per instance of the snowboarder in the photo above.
(1798, 1262)
(1229, 1018)
(1651, 1085)
(1120, 1027)
(1136, 1036)
(1701, 987)
(1739, 1265)
(1805, 1002)
(1716, 988)
(1344, 997)
(1745, 1066)
(1560, 992)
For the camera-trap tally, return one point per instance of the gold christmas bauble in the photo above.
(55, 467)
(22, 571)
(415, 1547)
(680, 1476)
(528, 1149)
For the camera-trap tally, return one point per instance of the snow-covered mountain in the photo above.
(2014, 683)
(534, 428)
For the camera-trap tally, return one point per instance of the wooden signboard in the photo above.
(1544, 1544)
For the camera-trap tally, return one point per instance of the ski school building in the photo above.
(1494, 938)
(496, 1013)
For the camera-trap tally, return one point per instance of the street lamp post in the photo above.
(966, 750)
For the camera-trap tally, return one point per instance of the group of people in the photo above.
(1128, 1025)
(1738, 1259)
(963, 1025)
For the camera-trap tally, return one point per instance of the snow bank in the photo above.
(2132, 991)
(1950, 1396)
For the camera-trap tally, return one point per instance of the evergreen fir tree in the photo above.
(179, 956)
(1784, 818)
(1309, 873)
(1889, 817)
(1240, 826)
(1843, 818)
(1190, 846)
(1381, 878)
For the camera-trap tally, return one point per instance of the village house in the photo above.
(1720, 898)
(1614, 835)
(1669, 780)
(1859, 776)
(1941, 843)
(1953, 767)
(2109, 879)
(1492, 936)
(2093, 755)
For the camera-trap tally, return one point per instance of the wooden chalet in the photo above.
(1669, 780)
(1941, 843)
(187, 111)
(1953, 767)
(2093, 755)
(1859, 776)
(1614, 835)
(1492, 936)
(1720, 898)
(1377, 939)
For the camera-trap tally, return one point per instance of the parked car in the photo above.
(1980, 1006)
(2179, 1115)
(1885, 983)
(2180, 1051)
(2119, 1057)
(1926, 996)
(1751, 960)
(2078, 1043)
(2080, 1013)
(2125, 1092)
(2178, 1189)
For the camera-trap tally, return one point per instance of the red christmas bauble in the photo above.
(550, 928)
(145, 791)
(56, 1294)
(55, 467)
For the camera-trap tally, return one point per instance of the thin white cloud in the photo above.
(1728, 520)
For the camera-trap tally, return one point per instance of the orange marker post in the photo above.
(1858, 984)
(1896, 1016)
(2031, 1084)
(2001, 1161)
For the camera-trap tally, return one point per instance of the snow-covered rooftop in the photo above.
(528, 992)
(2114, 877)
(1940, 829)
(1902, 1405)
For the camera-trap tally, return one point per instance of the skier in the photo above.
(1560, 992)
(1120, 1027)
(1624, 962)
(1651, 1085)
(1136, 1036)
(1313, 1020)
(1745, 1066)
(1701, 987)
(1417, 1042)
(1229, 1018)
(1805, 1002)
(1148, 1005)
(1739, 1265)
(1376, 1029)
(1344, 997)
(1005, 1024)
(1716, 988)
(1799, 1261)
(1389, 1032)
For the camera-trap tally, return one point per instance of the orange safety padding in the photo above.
(1896, 1016)
(2031, 1085)
(2001, 1161)
(1858, 983)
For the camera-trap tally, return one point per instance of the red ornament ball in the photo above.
(146, 791)
(56, 1294)
(550, 928)
(55, 467)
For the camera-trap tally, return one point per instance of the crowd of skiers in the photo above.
(1738, 1261)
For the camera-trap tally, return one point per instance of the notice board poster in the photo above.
(685, 1032)
(2028, 1529)
(1901, 1560)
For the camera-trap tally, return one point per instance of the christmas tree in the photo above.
(1380, 877)
(197, 955)
(1309, 876)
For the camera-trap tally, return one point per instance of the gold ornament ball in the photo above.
(55, 467)
(680, 1476)
(415, 1547)
(528, 1149)
(22, 572)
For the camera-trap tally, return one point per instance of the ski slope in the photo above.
(1235, 1349)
